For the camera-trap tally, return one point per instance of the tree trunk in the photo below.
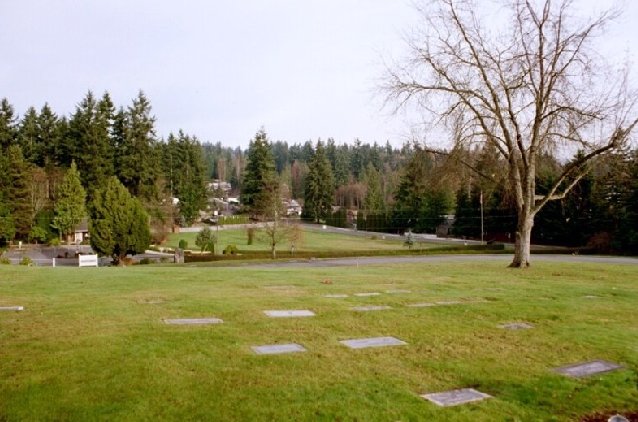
(523, 239)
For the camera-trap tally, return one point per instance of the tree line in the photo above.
(103, 163)
(57, 169)
(415, 188)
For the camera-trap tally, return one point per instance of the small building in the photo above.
(219, 185)
(80, 232)
(292, 208)
(445, 228)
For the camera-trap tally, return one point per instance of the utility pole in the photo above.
(481, 201)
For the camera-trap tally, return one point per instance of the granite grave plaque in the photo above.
(370, 308)
(456, 397)
(587, 368)
(516, 326)
(290, 313)
(193, 321)
(11, 308)
(421, 305)
(278, 349)
(335, 295)
(363, 343)
(367, 294)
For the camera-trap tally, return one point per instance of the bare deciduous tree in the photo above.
(536, 87)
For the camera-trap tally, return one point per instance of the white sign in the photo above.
(87, 260)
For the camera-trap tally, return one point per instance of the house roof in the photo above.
(83, 226)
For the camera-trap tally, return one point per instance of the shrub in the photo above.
(183, 244)
(251, 235)
(125, 262)
(5, 261)
(206, 240)
(145, 261)
(38, 234)
(26, 261)
(231, 250)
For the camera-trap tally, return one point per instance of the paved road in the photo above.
(505, 259)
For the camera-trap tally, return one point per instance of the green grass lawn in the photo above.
(311, 240)
(91, 344)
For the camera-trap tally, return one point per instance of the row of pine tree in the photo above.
(392, 189)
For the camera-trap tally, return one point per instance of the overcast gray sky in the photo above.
(221, 69)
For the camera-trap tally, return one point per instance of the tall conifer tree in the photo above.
(259, 175)
(18, 195)
(70, 199)
(319, 189)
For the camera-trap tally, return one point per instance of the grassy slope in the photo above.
(91, 345)
(312, 240)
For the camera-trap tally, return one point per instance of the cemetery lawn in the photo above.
(91, 343)
(311, 241)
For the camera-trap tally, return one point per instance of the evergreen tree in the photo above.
(69, 207)
(183, 168)
(7, 225)
(28, 137)
(8, 129)
(17, 194)
(357, 160)
(467, 215)
(136, 160)
(118, 224)
(90, 142)
(421, 200)
(374, 201)
(628, 228)
(280, 154)
(340, 170)
(319, 189)
(49, 137)
(298, 174)
(259, 175)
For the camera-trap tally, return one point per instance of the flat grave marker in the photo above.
(280, 287)
(421, 305)
(278, 349)
(367, 294)
(516, 326)
(11, 308)
(193, 321)
(293, 313)
(364, 343)
(370, 308)
(585, 369)
(456, 397)
(449, 302)
(336, 295)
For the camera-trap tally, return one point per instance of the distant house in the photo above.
(292, 207)
(445, 228)
(81, 232)
(217, 185)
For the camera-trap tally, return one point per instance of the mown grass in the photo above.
(311, 241)
(91, 344)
